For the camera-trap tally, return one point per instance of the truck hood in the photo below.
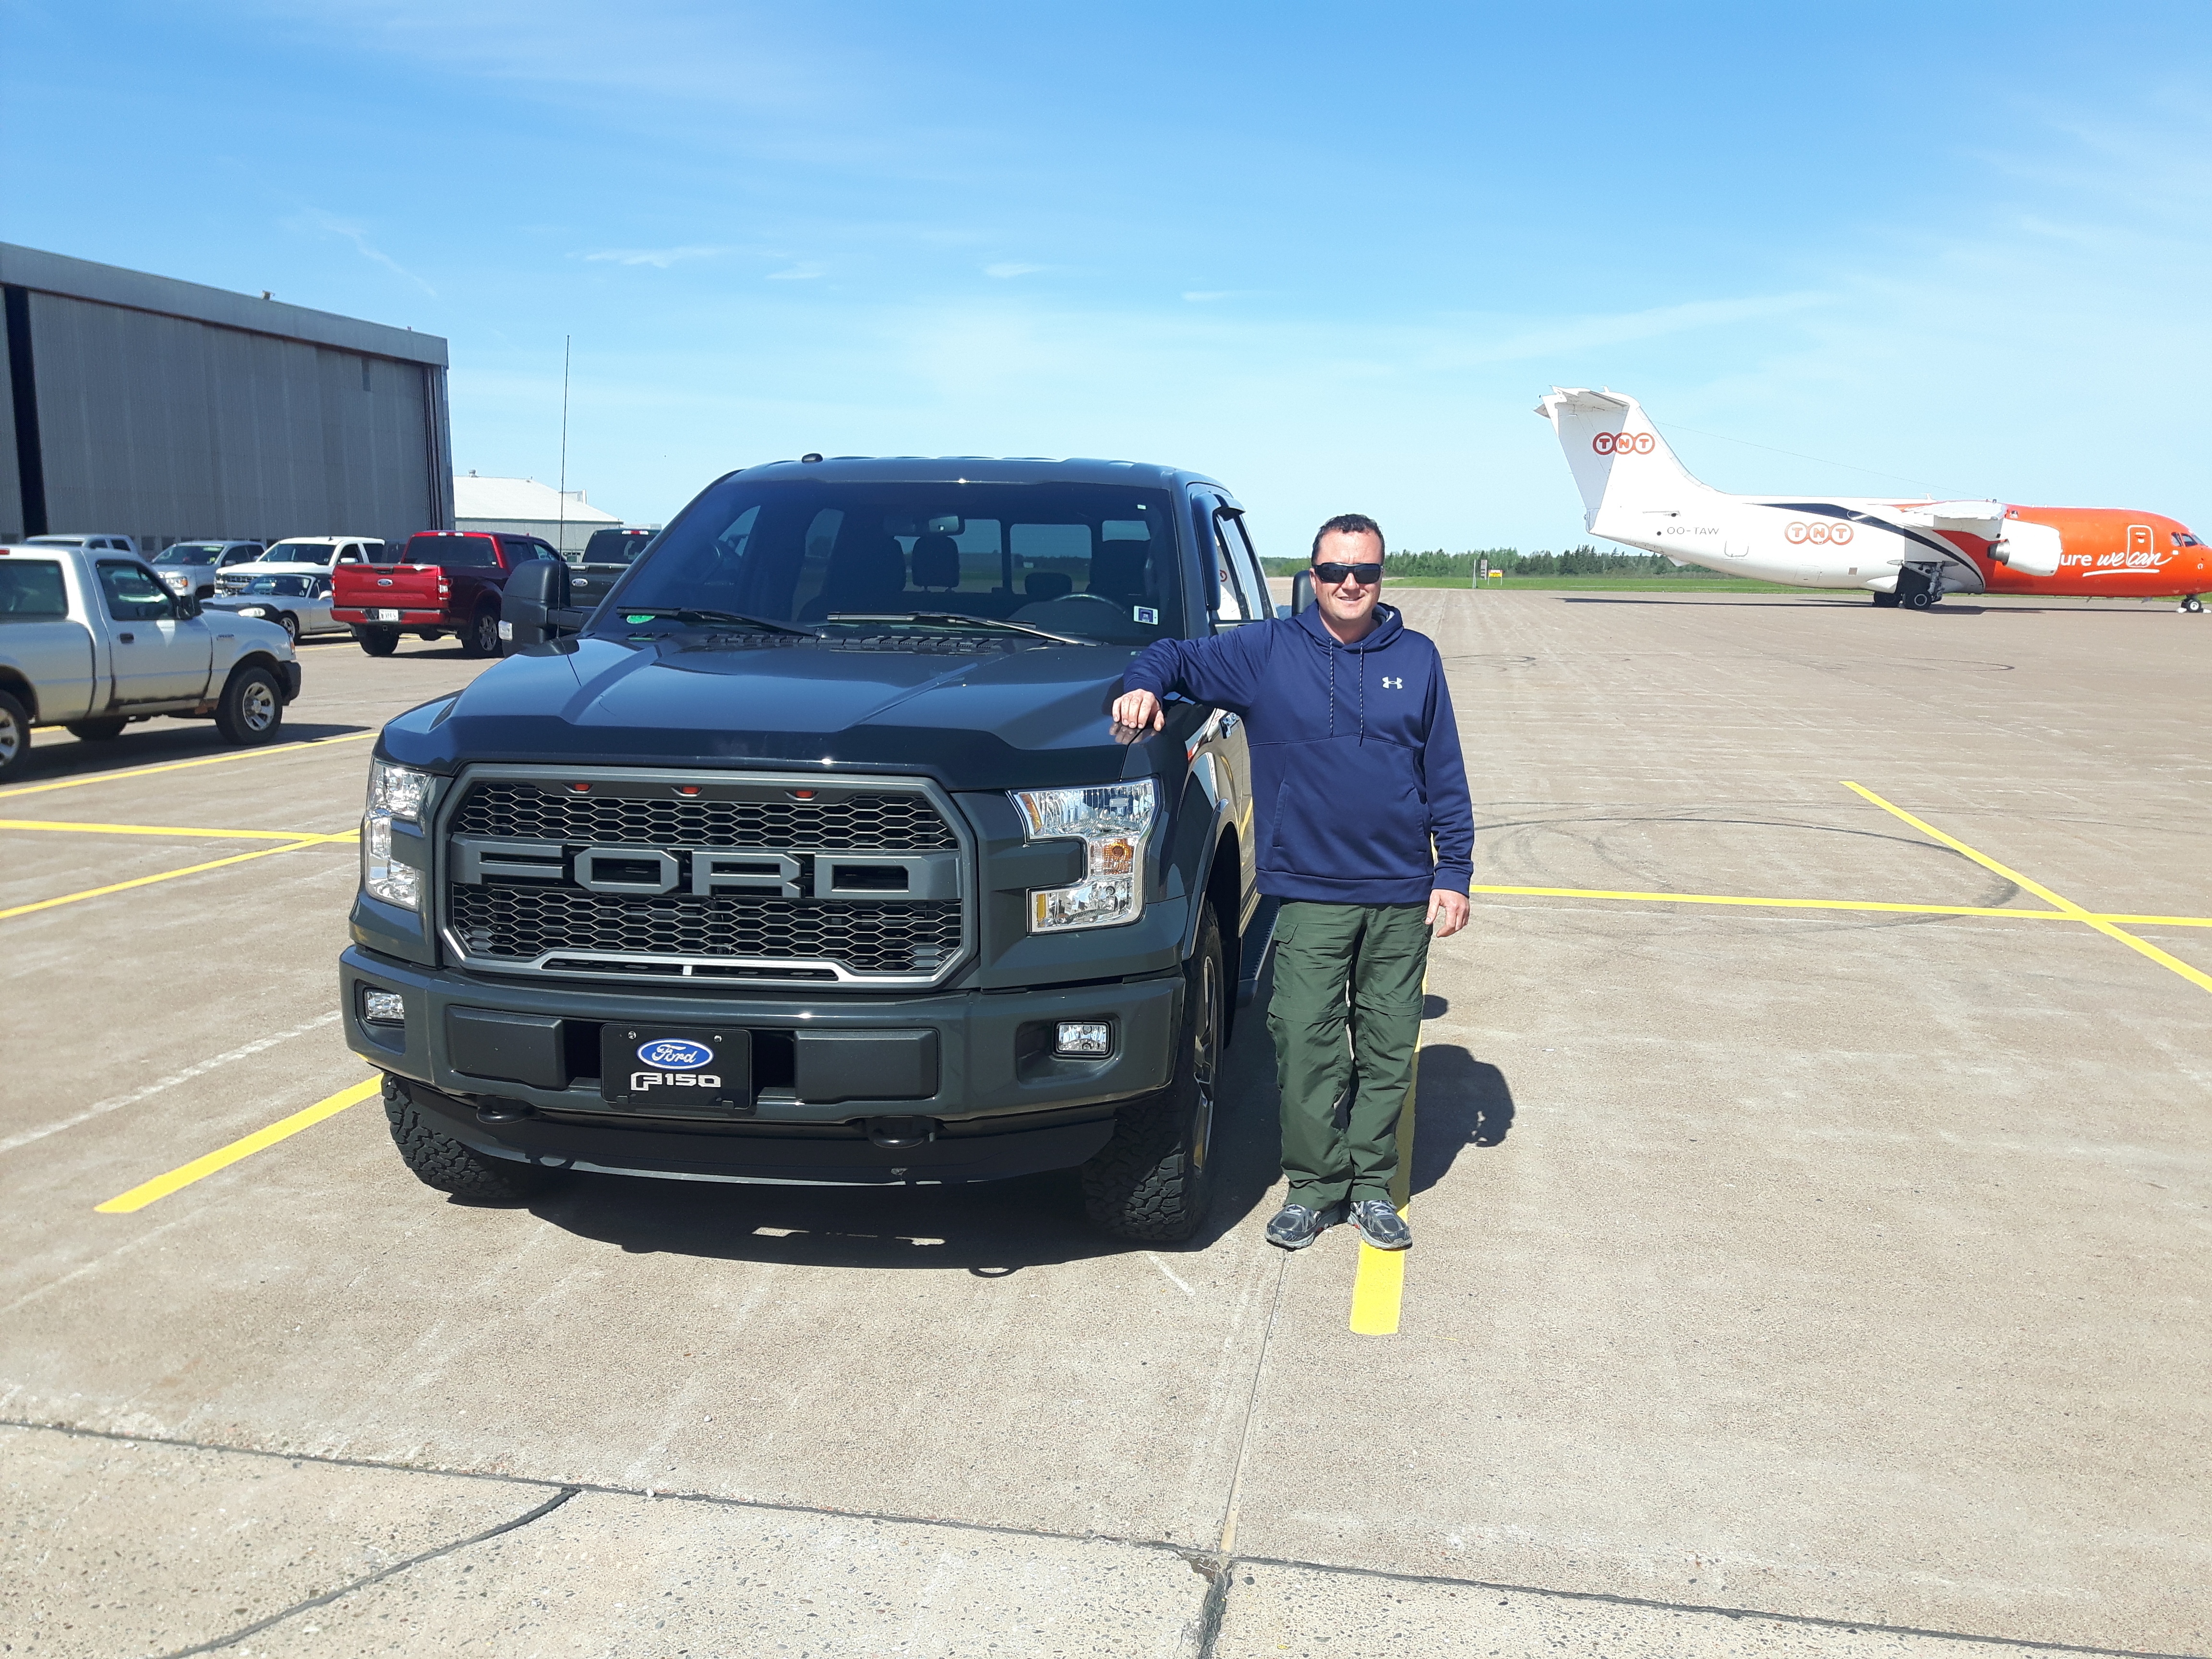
(993, 712)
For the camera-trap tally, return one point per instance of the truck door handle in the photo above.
(1228, 721)
(126, 638)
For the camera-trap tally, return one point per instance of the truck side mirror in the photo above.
(538, 588)
(1302, 593)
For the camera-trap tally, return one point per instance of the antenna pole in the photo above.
(560, 534)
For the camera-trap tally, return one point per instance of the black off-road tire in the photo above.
(377, 642)
(96, 730)
(15, 736)
(252, 708)
(449, 1166)
(481, 637)
(1154, 1179)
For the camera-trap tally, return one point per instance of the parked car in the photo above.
(811, 856)
(106, 542)
(303, 555)
(443, 581)
(193, 567)
(298, 604)
(92, 640)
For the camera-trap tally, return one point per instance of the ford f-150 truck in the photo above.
(810, 854)
(443, 582)
(92, 640)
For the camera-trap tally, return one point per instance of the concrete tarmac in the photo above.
(1793, 1277)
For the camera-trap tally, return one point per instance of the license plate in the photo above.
(387, 616)
(677, 1071)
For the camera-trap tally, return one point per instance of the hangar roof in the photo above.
(138, 290)
(523, 501)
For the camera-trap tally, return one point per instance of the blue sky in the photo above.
(1331, 254)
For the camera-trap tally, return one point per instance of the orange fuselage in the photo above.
(2110, 554)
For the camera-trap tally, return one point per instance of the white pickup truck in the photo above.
(91, 639)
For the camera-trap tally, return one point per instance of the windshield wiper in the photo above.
(954, 619)
(694, 614)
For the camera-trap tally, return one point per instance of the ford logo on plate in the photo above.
(670, 1056)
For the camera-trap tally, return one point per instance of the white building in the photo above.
(523, 507)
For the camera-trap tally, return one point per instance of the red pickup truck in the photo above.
(445, 582)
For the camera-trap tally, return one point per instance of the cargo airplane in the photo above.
(1906, 552)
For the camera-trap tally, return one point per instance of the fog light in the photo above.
(383, 1007)
(1082, 1039)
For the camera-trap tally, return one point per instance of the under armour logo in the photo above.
(1389, 684)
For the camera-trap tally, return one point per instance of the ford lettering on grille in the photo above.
(758, 880)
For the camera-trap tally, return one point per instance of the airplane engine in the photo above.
(2033, 549)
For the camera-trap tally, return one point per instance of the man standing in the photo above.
(1367, 838)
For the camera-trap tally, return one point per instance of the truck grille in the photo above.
(525, 887)
(853, 822)
(521, 923)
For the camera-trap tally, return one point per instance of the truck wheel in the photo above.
(96, 730)
(481, 637)
(377, 642)
(15, 736)
(1154, 1179)
(450, 1165)
(253, 709)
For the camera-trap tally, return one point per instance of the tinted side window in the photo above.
(1230, 526)
(31, 590)
(134, 593)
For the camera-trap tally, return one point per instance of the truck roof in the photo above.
(977, 469)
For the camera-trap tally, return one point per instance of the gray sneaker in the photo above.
(1295, 1226)
(1380, 1225)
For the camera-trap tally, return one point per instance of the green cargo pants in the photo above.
(1378, 951)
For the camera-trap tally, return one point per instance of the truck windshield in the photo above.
(1094, 560)
(299, 553)
(190, 553)
(287, 588)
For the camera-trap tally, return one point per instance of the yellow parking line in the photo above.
(179, 766)
(161, 1186)
(156, 830)
(2074, 912)
(1378, 1286)
(171, 875)
(1781, 904)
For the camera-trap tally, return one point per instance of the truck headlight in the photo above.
(178, 582)
(1113, 821)
(398, 793)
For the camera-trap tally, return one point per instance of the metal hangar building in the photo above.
(166, 410)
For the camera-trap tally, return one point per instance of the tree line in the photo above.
(1584, 561)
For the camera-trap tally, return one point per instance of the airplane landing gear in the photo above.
(1885, 599)
(2192, 605)
(1919, 586)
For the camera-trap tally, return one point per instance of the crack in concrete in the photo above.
(325, 1600)
(1219, 1568)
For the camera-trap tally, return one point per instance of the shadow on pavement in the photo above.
(157, 741)
(1463, 1102)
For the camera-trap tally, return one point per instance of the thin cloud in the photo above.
(658, 257)
(316, 219)
(1006, 268)
(797, 274)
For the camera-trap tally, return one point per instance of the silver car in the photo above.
(300, 604)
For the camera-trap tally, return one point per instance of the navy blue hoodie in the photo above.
(1356, 767)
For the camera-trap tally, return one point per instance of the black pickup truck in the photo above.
(810, 853)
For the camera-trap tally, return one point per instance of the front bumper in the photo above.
(287, 674)
(989, 1101)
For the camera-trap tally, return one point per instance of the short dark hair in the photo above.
(1347, 524)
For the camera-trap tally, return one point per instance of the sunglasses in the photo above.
(1366, 575)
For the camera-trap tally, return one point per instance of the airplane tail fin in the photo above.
(1621, 463)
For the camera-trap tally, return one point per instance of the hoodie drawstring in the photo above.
(1362, 697)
